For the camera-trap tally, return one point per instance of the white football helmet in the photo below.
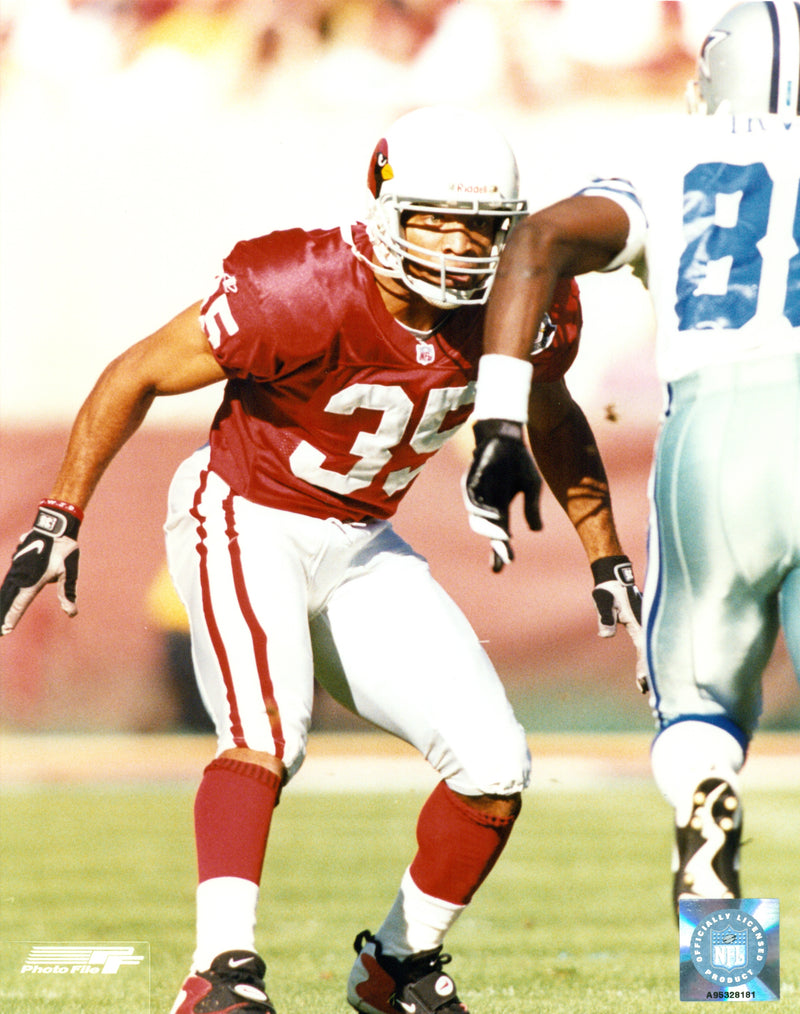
(443, 159)
(750, 62)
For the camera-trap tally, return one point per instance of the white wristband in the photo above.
(504, 384)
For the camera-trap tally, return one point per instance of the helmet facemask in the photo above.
(398, 254)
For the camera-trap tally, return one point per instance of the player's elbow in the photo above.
(572, 237)
(534, 249)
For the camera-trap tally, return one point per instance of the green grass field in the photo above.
(574, 919)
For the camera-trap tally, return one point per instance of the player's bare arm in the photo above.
(566, 452)
(175, 359)
(572, 237)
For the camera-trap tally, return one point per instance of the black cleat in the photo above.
(234, 984)
(706, 863)
(381, 984)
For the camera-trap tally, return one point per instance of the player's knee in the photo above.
(494, 780)
(501, 773)
(259, 757)
(496, 807)
(261, 749)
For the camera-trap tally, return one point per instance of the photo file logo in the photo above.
(84, 959)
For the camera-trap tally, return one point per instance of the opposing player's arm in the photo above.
(582, 233)
(173, 360)
(575, 236)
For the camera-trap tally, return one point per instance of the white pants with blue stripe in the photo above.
(724, 544)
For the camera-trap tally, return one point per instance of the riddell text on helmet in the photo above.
(472, 188)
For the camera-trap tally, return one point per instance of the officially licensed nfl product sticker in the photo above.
(729, 949)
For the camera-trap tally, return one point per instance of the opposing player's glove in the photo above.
(502, 466)
(618, 600)
(47, 554)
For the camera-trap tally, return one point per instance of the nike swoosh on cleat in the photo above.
(410, 1007)
(444, 985)
(35, 547)
(237, 962)
(249, 992)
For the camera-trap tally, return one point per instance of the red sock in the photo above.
(458, 846)
(232, 815)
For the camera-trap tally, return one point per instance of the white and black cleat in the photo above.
(706, 857)
(382, 984)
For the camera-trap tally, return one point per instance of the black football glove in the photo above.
(618, 600)
(502, 466)
(48, 553)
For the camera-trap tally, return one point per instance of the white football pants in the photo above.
(724, 548)
(275, 598)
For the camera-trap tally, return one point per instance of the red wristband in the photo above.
(62, 505)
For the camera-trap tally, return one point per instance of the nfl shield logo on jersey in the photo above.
(425, 353)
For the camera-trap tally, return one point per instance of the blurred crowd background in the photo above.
(363, 52)
(140, 140)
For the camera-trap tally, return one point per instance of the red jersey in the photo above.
(332, 406)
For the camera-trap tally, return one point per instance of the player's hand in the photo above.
(47, 553)
(618, 600)
(502, 466)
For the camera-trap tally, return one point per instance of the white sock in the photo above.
(686, 753)
(226, 918)
(416, 921)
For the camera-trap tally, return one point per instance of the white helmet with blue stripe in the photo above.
(750, 61)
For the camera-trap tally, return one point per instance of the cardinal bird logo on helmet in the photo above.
(379, 168)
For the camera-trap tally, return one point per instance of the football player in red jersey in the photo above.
(349, 357)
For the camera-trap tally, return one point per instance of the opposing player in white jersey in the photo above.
(350, 357)
(717, 212)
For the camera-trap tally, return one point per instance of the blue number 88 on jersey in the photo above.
(726, 217)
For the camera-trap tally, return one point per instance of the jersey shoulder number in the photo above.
(216, 315)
